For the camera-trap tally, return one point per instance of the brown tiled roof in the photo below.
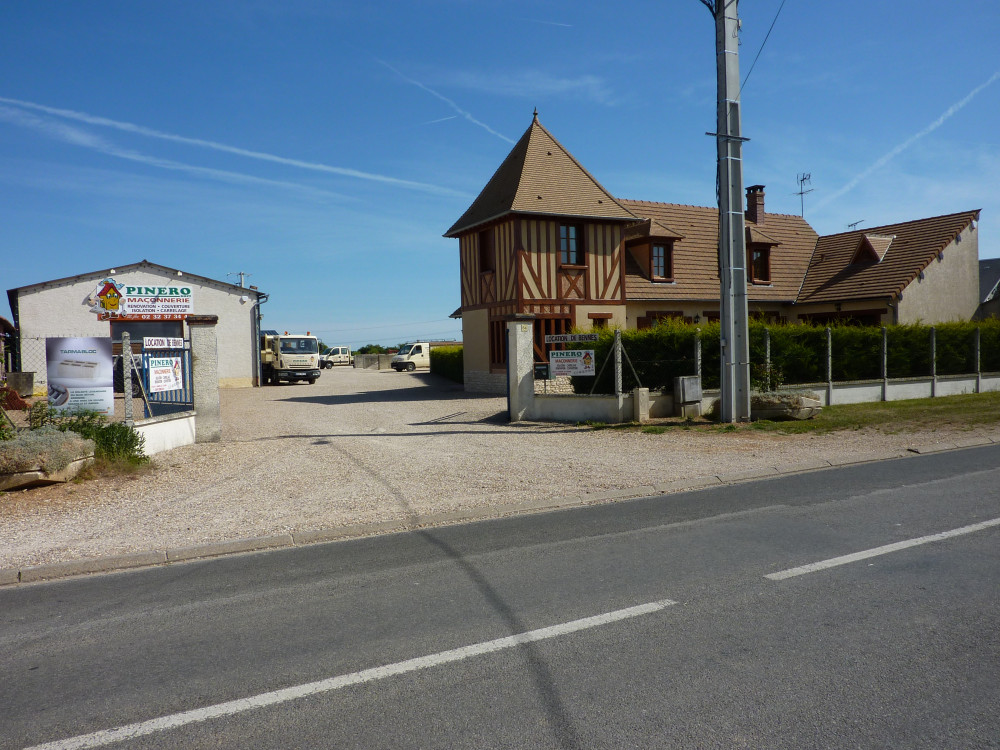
(539, 176)
(696, 263)
(650, 228)
(832, 277)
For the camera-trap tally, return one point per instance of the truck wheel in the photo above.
(410, 367)
(312, 380)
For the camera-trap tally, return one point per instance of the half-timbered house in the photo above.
(545, 239)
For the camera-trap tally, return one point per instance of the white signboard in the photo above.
(161, 342)
(80, 374)
(572, 362)
(111, 300)
(569, 338)
(165, 374)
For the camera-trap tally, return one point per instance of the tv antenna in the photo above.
(802, 179)
(241, 274)
(855, 224)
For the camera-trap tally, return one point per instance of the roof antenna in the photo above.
(854, 226)
(802, 179)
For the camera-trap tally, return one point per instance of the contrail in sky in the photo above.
(441, 119)
(77, 137)
(907, 143)
(215, 146)
(447, 101)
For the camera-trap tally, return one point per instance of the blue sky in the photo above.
(324, 147)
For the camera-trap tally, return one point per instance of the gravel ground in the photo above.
(362, 447)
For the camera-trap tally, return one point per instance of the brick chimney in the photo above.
(755, 204)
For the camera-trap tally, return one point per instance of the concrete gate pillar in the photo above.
(205, 374)
(520, 367)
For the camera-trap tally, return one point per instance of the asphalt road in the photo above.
(649, 623)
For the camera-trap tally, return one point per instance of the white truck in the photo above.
(288, 357)
(336, 355)
(417, 354)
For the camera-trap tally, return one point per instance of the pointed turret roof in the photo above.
(539, 176)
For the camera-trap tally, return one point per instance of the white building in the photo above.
(145, 299)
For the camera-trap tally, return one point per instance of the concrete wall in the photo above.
(583, 320)
(61, 310)
(476, 355)
(949, 290)
(871, 391)
(167, 432)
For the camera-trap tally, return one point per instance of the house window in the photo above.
(759, 262)
(571, 244)
(662, 263)
(486, 254)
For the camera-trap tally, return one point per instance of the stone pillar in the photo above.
(520, 367)
(205, 374)
(640, 405)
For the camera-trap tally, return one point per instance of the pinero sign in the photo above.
(572, 362)
(111, 300)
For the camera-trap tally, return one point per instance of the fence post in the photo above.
(933, 361)
(767, 360)
(127, 377)
(697, 353)
(979, 371)
(618, 365)
(885, 363)
(829, 366)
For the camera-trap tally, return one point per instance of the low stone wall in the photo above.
(167, 432)
(373, 361)
(478, 381)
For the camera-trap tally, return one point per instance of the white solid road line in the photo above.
(884, 550)
(131, 731)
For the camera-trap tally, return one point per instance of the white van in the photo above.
(336, 355)
(412, 356)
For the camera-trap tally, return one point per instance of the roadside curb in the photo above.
(115, 563)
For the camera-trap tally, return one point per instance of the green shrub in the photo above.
(798, 353)
(117, 441)
(448, 361)
(47, 448)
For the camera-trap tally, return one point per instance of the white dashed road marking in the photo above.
(884, 550)
(131, 731)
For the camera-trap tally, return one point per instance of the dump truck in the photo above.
(288, 357)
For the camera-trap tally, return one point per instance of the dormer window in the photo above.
(661, 262)
(571, 244)
(759, 264)
(872, 248)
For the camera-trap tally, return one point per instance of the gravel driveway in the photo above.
(364, 447)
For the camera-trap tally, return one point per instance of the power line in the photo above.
(766, 37)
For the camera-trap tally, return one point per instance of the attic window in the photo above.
(759, 263)
(872, 248)
(661, 262)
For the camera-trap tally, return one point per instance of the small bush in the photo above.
(119, 442)
(46, 448)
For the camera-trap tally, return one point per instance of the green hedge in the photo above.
(798, 353)
(448, 362)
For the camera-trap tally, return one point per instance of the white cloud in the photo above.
(216, 146)
(77, 137)
(533, 84)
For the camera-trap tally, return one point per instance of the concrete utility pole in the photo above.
(735, 382)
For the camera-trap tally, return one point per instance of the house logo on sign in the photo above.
(105, 300)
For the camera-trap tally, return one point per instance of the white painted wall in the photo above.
(949, 290)
(61, 310)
